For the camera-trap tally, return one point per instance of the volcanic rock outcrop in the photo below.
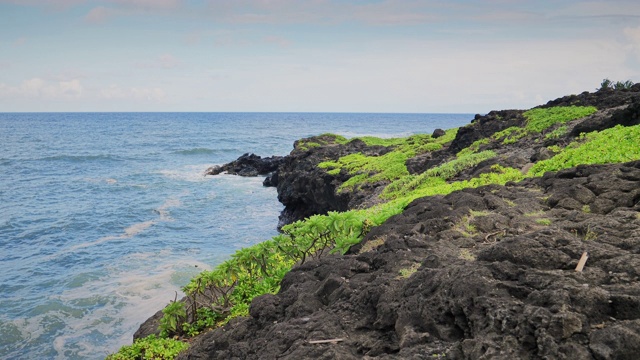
(486, 273)
(482, 273)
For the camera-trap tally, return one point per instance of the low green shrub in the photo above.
(614, 145)
(474, 147)
(388, 167)
(557, 133)
(150, 347)
(540, 119)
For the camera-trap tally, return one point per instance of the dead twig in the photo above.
(328, 341)
(486, 238)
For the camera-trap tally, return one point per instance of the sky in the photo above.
(411, 56)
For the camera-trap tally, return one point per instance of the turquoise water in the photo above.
(104, 216)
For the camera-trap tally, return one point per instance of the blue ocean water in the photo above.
(104, 216)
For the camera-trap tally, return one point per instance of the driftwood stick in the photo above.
(583, 260)
(333, 341)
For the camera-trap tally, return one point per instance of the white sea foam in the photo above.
(132, 230)
(190, 173)
(136, 289)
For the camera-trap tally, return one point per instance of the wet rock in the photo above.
(248, 165)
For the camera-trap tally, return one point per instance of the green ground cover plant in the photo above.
(150, 347)
(540, 119)
(556, 133)
(317, 141)
(614, 145)
(388, 167)
(473, 148)
(436, 176)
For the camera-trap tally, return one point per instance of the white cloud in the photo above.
(40, 88)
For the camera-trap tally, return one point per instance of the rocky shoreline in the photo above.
(486, 272)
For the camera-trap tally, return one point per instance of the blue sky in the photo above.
(316, 55)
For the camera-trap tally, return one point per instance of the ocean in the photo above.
(105, 216)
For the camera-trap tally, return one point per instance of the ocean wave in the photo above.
(134, 229)
(195, 151)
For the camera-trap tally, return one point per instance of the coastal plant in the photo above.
(474, 147)
(613, 145)
(539, 119)
(554, 148)
(407, 272)
(387, 167)
(510, 135)
(605, 84)
(453, 167)
(150, 347)
(372, 244)
(175, 315)
(545, 222)
(320, 140)
(465, 254)
(557, 133)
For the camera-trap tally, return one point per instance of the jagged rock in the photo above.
(248, 165)
(438, 133)
(485, 126)
(305, 190)
(626, 115)
(271, 180)
(484, 273)
(150, 327)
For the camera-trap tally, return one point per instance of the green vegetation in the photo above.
(150, 347)
(510, 135)
(538, 120)
(555, 134)
(473, 148)
(554, 148)
(545, 222)
(321, 140)
(618, 85)
(542, 118)
(388, 167)
(614, 145)
(465, 254)
(372, 245)
(407, 272)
